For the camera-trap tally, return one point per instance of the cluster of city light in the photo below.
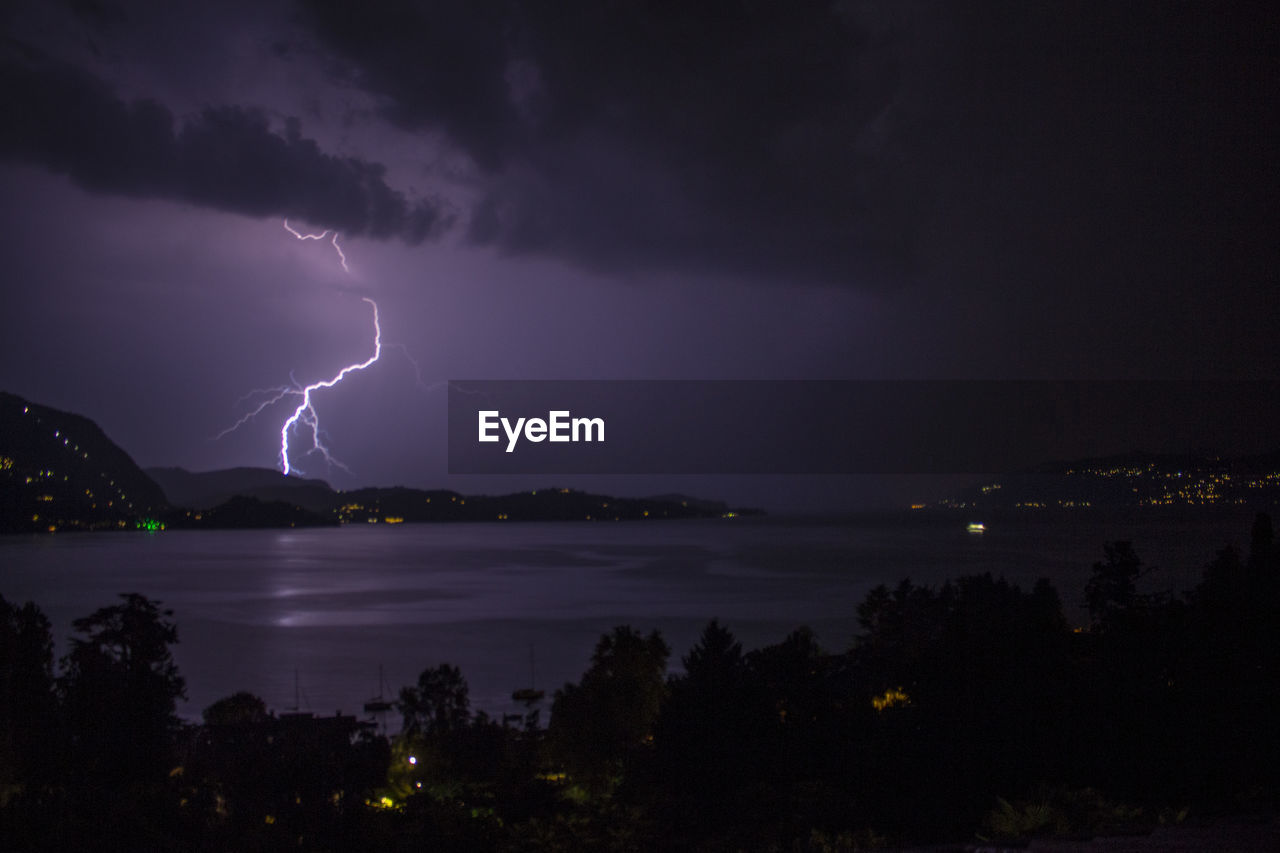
(1150, 485)
(1113, 472)
(49, 474)
(892, 697)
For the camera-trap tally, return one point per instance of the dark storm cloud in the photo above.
(634, 134)
(436, 64)
(227, 158)
(860, 142)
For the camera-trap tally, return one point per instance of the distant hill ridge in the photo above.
(687, 500)
(60, 470)
(206, 489)
(1134, 479)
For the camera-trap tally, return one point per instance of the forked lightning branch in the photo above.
(305, 413)
(559, 426)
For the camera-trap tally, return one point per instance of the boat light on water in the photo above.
(977, 527)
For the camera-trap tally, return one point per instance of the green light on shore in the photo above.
(150, 524)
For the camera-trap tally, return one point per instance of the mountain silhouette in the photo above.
(206, 489)
(60, 471)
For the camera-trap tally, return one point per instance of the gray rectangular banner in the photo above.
(842, 427)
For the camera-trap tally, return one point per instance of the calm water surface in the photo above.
(333, 605)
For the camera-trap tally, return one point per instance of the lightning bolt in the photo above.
(306, 412)
(342, 258)
(280, 393)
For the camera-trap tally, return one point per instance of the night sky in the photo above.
(590, 190)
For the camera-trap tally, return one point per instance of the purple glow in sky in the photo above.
(813, 190)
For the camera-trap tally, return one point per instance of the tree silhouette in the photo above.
(119, 687)
(1111, 593)
(961, 677)
(439, 703)
(1261, 540)
(27, 701)
(1230, 678)
(118, 690)
(713, 743)
(597, 724)
(241, 708)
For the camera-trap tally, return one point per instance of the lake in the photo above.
(308, 617)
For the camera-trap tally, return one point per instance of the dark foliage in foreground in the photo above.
(969, 708)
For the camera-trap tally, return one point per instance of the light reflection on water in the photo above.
(332, 605)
